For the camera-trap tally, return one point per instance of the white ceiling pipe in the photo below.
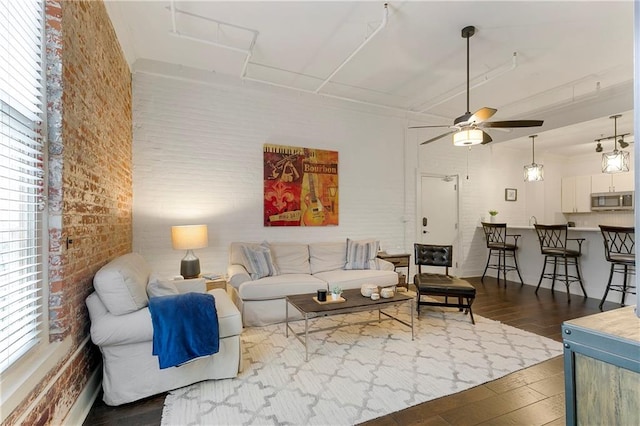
(172, 6)
(249, 52)
(383, 24)
(213, 43)
(342, 98)
(174, 32)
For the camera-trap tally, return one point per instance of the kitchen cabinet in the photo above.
(602, 368)
(576, 194)
(615, 182)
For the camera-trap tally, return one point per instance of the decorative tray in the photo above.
(329, 300)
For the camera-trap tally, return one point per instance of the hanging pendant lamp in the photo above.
(533, 172)
(615, 161)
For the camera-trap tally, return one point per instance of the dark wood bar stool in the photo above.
(444, 285)
(619, 249)
(496, 236)
(553, 246)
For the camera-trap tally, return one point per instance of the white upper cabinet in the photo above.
(615, 182)
(576, 194)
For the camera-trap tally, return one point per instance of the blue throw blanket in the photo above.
(185, 327)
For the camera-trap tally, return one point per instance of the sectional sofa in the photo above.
(261, 275)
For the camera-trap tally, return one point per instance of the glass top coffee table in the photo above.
(354, 302)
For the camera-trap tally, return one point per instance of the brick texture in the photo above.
(90, 187)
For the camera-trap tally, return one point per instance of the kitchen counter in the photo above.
(572, 228)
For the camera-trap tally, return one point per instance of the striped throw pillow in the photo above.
(258, 261)
(361, 254)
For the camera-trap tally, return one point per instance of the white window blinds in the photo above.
(22, 182)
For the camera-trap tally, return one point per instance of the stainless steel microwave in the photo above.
(612, 201)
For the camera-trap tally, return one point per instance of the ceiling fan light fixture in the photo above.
(533, 172)
(468, 137)
(469, 126)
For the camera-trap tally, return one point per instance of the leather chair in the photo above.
(619, 250)
(501, 248)
(441, 285)
(553, 246)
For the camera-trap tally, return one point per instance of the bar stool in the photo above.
(496, 237)
(553, 245)
(619, 249)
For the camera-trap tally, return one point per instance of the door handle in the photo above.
(424, 221)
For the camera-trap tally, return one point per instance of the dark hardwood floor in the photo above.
(533, 396)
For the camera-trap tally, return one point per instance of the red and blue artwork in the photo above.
(300, 186)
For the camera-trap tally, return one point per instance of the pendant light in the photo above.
(533, 172)
(615, 161)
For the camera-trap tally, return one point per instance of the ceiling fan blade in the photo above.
(514, 123)
(428, 127)
(485, 138)
(437, 137)
(482, 114)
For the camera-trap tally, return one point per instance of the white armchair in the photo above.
(121, 327)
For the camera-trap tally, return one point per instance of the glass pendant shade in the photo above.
(615, 161)
(533, 172)
(468, 137)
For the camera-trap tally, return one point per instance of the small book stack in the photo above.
(212, 277)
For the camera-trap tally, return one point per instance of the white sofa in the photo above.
(121, 327)
(299, 268)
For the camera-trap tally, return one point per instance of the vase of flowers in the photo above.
(492, 215)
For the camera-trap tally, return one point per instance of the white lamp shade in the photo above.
(468, 137)
(615, 162)
(533, 172)
(189, 237)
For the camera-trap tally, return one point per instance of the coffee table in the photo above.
(355, 302)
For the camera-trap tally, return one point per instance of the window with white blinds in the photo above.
(22, 177)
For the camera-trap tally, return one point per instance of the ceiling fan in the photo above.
(467, 129)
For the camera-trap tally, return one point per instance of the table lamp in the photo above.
(189, 238)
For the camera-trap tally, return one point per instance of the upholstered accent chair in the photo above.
(440, 285)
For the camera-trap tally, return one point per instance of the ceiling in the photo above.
(562, 62)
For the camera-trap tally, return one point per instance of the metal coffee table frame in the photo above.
(355, 302)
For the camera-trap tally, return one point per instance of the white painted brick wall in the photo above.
(198, 159)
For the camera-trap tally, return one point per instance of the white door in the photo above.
(438, 215)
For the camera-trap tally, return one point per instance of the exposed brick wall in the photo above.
(90, 180)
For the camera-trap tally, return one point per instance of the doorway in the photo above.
(437, 217)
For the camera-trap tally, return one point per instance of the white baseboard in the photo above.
(80, 409)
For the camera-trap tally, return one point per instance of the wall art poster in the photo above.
(300, 186)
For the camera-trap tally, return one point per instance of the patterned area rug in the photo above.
(358, 372)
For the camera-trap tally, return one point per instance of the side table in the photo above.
(217, 283)
(399, 261)
(602, 368)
